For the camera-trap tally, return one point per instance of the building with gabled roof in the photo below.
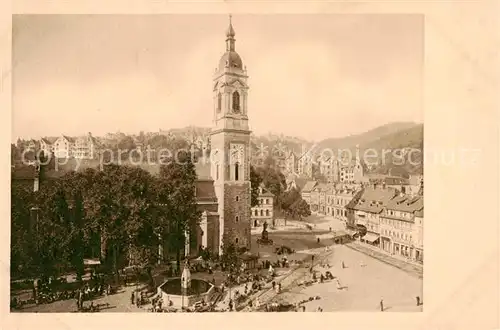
(264, 210)
(306, 191)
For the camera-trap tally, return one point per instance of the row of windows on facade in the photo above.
(235, 103)
(399, 214)
(337, 201)
(396, 223)
(338, 212)
(236, 171)
(256, 213)
(405, 237)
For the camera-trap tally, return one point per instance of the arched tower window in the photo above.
(236, 101)
(267, 213)
(219, 102)
(236, 171)
(261, 213)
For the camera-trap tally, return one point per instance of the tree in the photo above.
(288, 199)
(176, 192)
(230, 257)
(22, 256)
(274, 181)
(300, 209)
(255, 181)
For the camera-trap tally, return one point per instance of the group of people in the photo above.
(89, 291)
(137, 298)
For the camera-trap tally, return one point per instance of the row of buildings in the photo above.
(331, 168)
(391, 210)
(81, 147)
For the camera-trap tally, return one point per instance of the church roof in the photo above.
(203, 170)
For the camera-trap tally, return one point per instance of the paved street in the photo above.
(364, 285)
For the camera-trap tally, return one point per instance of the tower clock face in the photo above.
(237, 153)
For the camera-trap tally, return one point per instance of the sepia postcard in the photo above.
(228, 162)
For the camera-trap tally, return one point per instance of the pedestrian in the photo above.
(418, 301)
(230, 305)
(339, 286)
(381, 305)
(132, 298)
(303, 308)
(343, 265)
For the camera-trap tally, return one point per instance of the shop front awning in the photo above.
(370, 237)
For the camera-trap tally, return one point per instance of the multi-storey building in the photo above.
(291, 163)
(327, 168)
(349, 172)
(342, 195)
(83, 147)
(86, 147)
(306, 192)
(401, 226)
(393, 220)
(367, 208)
(264, 210)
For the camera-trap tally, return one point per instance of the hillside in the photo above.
(366, 137)
(398, 135)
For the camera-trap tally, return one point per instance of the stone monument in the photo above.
(264, 239)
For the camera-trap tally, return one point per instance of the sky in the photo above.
(310, 76)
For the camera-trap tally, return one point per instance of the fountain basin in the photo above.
(171, 290)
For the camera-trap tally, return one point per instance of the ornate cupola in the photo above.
(230, 59)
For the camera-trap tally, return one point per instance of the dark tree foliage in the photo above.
(116, 210)
(255, 181)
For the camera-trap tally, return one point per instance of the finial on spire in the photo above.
(230, 31)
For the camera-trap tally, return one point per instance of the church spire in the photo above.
(230, 36)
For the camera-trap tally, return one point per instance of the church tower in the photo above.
(230, 146)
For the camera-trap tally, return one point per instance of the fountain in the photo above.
(185, 291)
